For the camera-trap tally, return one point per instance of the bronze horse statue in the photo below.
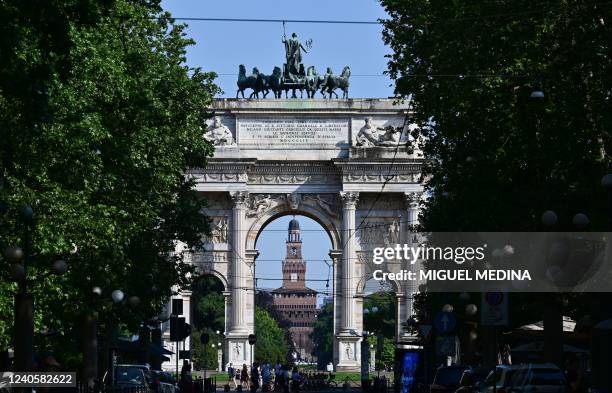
(265, 83)
(333, 82)
(313, 81)
(246, 82)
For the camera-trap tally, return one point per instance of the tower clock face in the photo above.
(294, 251)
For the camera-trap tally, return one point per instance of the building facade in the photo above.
(294, 300)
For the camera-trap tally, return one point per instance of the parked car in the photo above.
(540, 378)
(447, 379)
(131, 376)
(163, 382)
(499, 381)
(472, 379)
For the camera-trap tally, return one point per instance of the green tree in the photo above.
(383, 320)
(208, 318)
(499, 157)
(99, 118)
(322, 335)
(271, 345)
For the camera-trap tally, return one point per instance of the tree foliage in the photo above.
(271, 345)
(322, 335)
(99, 120)
(208, 317)
(500, 158)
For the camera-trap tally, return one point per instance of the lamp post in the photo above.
(20, 260)
(117, 297)
(220, 352)
(365, 360)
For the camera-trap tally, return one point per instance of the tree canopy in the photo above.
(499, 157)
(99, 118)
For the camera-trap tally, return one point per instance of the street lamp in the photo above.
(19, 260)
(117, 297)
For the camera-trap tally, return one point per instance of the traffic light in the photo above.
(176, 327)
(185, 331)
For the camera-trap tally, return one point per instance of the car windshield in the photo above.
(448, 376)
(540, 376)
(129, 375)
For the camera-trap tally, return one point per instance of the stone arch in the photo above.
(360, 290)
(216, 274)
(272, 214)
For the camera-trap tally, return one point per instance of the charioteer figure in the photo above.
(293, 54)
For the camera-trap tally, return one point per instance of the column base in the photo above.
(238, 349)
(348, 349)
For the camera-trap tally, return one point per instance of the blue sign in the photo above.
(445, 322)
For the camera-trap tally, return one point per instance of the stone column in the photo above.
(237, 336)
(349, 258)
(240, 200)
(413, 200)
(348, 347)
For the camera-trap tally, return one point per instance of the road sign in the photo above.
(445, 322)
(184, 354)
(494, 310)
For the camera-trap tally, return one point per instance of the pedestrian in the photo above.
(237, 378)
(254, 378)
(186, 380)
(295, 380)
(285, 373)
(231, 375)
(503, 356)
(265, 377)
(244, 376)
(330, 367)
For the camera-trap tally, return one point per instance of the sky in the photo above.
(222, 46)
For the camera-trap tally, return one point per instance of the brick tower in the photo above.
(294, 299)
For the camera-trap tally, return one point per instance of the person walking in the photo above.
(244, 376)
(265, 377)
(231, 373)
(295, 380)
(254, 378)
(237, 378)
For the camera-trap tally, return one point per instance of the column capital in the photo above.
(413, 199)
(349, 198)
(335, 255)
(240, 199)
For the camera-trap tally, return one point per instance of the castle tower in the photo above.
(294, 300)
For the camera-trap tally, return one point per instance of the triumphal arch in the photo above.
(351, 165)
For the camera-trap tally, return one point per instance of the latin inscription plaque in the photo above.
(284, 132)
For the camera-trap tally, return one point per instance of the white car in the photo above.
(540, 378)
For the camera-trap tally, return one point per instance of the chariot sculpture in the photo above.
(293, 76)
